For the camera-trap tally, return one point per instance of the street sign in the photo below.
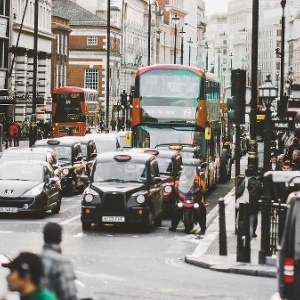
(281, 124)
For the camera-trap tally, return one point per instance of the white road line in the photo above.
(70, 220)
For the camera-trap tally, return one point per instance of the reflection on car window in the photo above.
(119, 171)
(84, 150)
(20, 171)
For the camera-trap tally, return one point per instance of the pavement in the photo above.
(207, 256)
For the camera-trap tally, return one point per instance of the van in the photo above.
(289, 251)
(105, 142)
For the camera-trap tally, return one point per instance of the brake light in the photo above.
(288, 270)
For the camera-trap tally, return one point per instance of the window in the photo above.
(92, 40)
(91, 79)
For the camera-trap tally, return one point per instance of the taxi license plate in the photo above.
(8, 209)
(113, 219)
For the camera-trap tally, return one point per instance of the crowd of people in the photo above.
(48, 275)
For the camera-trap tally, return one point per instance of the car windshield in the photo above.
(21, 171)
(84, 150)
(165, 165)
(120, 172)
(9, 156)
(106, 146)
(62, 152)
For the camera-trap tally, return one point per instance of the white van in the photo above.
(105, 142)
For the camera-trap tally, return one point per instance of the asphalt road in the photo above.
(119, 263)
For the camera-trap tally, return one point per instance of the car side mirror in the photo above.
(93, 155)
(85, 178)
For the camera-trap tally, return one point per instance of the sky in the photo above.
(213, 6)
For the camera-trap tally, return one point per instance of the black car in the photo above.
(124, 188)
(169, 163)
(88, 148)
(70, 158)
(29, 187)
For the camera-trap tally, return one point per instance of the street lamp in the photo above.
(181, 47)
(282, 100)
(212, 67)
(149, 33)
(176, 20)
(190, 42)
(206, 59)
(267, 93)
(219, 63)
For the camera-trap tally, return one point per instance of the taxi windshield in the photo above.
(120, 172)
(165, 165)
(187, 183)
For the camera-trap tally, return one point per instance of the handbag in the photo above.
(244, 198)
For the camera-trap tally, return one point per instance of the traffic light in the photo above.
(124, 99)
(231, 110)
(238, 94)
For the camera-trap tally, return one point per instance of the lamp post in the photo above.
(176, 20)
(107, 65)
(149, 33)
(181, 47)
(190, 42)
(212, 67)
(206, 59)
(282, 100)
(219, 63)
(267, 93)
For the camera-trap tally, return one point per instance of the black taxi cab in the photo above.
(123, 188)
(88, 148)
(169, 163)
(70, 158)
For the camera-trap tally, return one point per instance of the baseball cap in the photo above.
(26, 262)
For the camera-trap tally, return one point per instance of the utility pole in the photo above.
(107, 63)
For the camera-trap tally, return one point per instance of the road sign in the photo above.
(281, 124)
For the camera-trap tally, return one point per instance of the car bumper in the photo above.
(133, 215)
(22, 204)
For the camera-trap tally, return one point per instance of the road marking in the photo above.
(70, 220)
(173, 262)
(99, 276)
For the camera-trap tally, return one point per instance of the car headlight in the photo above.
(168, 189)
(34, 191)
(196, 205)
(140, 199)
(90, 195)
(65, 171)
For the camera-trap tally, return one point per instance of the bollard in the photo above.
(243, 237)
(222, 228)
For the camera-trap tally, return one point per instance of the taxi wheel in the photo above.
(148, 223)
(71, 189)
(57, 207)
(86, 226)
(43, 211)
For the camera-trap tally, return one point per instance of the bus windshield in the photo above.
(68, 107)
(169, 96)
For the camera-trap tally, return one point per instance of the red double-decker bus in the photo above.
(177, 104)
(74, 110)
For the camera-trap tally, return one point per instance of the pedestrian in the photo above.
(113, 124)
(25, 275)
(287, 139)
(296, 159)
(59, 276)
(12, 133)
(275, 165)
(255, 191)
(295, 145)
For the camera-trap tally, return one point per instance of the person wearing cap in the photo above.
(275, 166)
(25, 275)
(59, 276)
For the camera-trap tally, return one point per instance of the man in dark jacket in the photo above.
(59, 276)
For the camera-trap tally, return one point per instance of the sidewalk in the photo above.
(206, 255)
(22, 144)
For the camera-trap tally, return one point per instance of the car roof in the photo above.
(84, 139)
(137, 156)
(14, 150)
(24, 162)
(103, 136)
(156, 152)
(56, 141)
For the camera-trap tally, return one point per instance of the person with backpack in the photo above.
(254, 187)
